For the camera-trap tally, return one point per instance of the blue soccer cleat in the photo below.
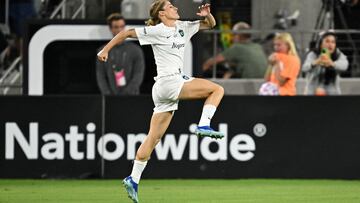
(131, 188)
(207, 131)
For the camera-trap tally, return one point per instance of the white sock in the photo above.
(207, 114)
(137, 170)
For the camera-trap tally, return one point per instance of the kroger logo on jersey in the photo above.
(85, 145)
(177, 46)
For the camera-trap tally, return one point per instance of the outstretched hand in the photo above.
(204, 10)
(324, 60)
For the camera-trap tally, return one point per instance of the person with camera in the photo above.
(323, 66)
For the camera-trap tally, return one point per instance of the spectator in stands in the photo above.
(123, 73)
(8, 50)
(284, 65)
(247, 58)
(323, 67)
(20, 12)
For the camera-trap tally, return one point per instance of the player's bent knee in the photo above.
(220, 90)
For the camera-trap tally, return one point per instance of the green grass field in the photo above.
(151, 191)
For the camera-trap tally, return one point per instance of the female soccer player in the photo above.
(168, 37)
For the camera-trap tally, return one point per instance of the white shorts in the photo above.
(166, 90)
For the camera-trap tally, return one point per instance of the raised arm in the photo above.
(209, 21)
(212, 61)
(119, 38)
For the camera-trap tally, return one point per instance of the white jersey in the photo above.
(168, 44)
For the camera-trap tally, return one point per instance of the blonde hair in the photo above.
(288, 39)
(156, 7)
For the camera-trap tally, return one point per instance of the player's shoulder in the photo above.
(186, 23)
(152, 28)
(158, 26)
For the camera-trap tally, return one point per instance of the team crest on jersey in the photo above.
(185, 77)
(181, 32)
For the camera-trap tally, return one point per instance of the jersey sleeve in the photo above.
(148, 35)
(192, 27)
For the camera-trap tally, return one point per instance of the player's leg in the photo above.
(201, 88)
(158, 125)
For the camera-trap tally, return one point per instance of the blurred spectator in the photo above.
(8, 50)
(284, 65)
(123, 73)
(323, 66)
(20, 12)
(248, 59)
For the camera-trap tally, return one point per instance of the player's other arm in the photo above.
(209, 21)
(119, 38)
